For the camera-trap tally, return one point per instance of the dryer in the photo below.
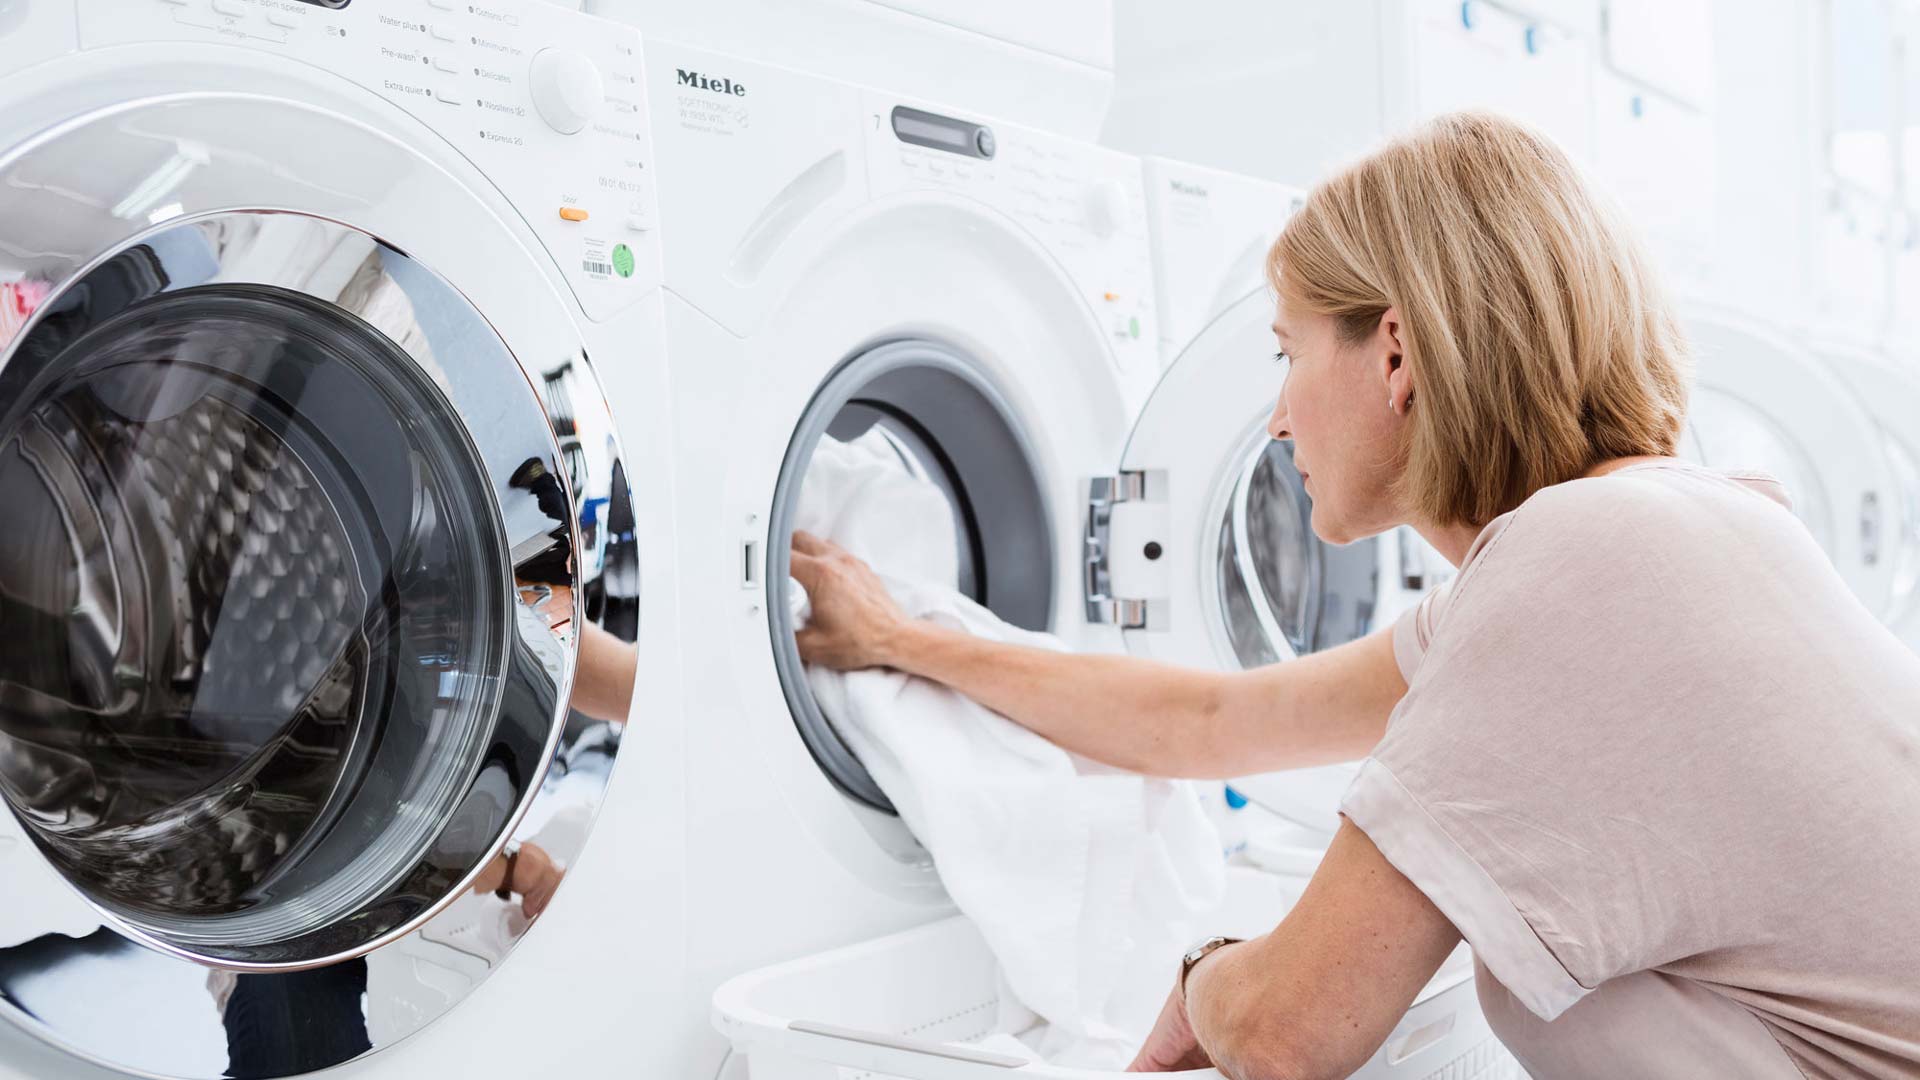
(315, 316)
(1762, 400)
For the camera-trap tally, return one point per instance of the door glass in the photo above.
(1269, 563)
(255, 601)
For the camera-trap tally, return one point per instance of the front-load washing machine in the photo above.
(1763, 401)
(314, 315)
(1890, 391)
(840, 259)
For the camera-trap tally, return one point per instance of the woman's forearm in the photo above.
(1132, 713)
(1165, 720)
(604, 675)
(1319, 994)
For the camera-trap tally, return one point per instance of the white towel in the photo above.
(1083, 878)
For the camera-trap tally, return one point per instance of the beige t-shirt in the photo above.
(1662, 770)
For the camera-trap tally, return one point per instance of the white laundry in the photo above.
(1083, 879)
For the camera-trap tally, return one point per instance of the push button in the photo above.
(572, 213)
(230, 7)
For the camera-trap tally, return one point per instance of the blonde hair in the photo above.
(1538, 340)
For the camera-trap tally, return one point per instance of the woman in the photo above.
(1645, 753)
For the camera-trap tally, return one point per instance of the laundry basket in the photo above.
(897, 1008)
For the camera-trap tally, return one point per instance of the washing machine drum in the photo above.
(241, 554)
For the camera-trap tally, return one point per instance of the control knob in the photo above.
(567, 90)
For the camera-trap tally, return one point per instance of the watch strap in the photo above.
(1201, 952)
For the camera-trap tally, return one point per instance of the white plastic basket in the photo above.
(894, 1008)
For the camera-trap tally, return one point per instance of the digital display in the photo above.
(914, 129)
(942, 132)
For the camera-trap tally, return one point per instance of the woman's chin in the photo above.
(1328, 528)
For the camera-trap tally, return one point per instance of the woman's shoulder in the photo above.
(1670, 505)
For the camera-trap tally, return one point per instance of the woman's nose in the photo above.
(1277, 423)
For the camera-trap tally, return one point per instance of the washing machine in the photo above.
(1890, 391)
(1763, 400)
(317, 319)
(840, 258)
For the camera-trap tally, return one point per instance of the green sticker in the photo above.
(623, 260)
(1133, 326)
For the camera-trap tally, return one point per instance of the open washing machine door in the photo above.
(1201, 548)
(294, 588)
(1763, 401)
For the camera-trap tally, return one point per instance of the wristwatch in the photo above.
(1198, 953)
(512, 852)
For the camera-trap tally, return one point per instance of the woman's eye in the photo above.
(1281, 357)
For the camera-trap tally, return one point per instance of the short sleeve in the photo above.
(1483, 790)
(1414, 629)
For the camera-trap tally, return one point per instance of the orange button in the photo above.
(573, 213)
(1112, 296)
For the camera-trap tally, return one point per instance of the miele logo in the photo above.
(1184, 188)
(702, 82)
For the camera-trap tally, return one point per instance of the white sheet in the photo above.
(1078, 875)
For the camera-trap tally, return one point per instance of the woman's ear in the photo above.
(1390, 347)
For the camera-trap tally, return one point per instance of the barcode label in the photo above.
(592, 267)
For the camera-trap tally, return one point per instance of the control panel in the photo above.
(548, 103)
(1086, 204)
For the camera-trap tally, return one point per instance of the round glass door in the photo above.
(1282, 592)
(257, 600)
(281, 672)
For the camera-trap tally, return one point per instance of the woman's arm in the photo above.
(603, 675)
(1316, 996)
(1136, 714)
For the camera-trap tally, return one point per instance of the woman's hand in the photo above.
(854, 619)
(535, 877)
(1172, 1045)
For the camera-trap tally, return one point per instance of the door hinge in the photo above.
(1125, 550)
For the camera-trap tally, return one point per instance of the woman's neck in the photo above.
(1451, 541)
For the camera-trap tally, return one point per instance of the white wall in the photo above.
(1704, 117)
